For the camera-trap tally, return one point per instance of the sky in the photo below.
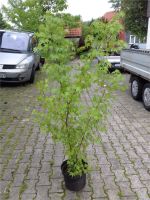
(88, 9)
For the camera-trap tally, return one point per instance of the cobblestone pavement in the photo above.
(30, 161)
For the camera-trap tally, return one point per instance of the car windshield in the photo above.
(12, 41)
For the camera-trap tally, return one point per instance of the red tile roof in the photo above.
(109, 15)
(74, 33)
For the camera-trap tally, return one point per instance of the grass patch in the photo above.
(23, 187)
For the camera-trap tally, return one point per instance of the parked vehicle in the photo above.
(138, 46)
(114, 60)
(18, 62)
(137, 63)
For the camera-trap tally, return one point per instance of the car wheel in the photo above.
(136, 88)
(32, 77)
(42, 61)
(39, 66)
(146, 96)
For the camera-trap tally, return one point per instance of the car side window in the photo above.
(33, 43)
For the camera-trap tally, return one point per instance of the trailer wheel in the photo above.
(146, 96)
(136, 88)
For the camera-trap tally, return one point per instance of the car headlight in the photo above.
(23, 64)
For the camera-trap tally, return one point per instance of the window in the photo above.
(33, 42)
(16, 41)
(132, 39)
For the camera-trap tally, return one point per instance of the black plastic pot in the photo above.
(73, 183)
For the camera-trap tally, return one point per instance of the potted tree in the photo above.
(65, 112)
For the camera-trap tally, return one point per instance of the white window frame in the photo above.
(131, 38)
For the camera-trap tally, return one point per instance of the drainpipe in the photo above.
(148, 35)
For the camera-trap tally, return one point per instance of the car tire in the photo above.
(42, 61)
(32, 77)
(38, 67)
(146, 96)
(136, 88)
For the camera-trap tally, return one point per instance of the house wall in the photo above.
(128, 37)
(148, 31)
(148, 35)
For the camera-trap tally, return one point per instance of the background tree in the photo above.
(2, 22)
(86, 30)
(135, 19)
(28, 14)
(116, 4)
(69, 20)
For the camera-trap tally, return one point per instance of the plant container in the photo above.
(73, 183)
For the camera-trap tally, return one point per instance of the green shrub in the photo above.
(75, 99)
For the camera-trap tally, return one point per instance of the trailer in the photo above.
(137, 63)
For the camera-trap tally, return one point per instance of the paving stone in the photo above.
(43, 179)
(139, 150)
(56, 173)
(59, 150)
(3, 186)
(110, 183)
(28, 196)
(31, 187)
(93, 164)
(8, 175)
(56, 186)
(18, 180)
(56, 196)
(115, 164)
(11, 164)
(132, 154)
(138, 164)
(129, 198)
(145, 158)
(42, 193)
(142, 193)
(49, 148)
(129, 169)
(98, 190)
(135, 182)
(33, 174)
(36, 164)
(45, 167)
(124, 160)
(100, 198)
(14, 193)
(107, 147)
(47, 157)
(105, 170)
(126, 189)
(95, 176)
(22, 168)
(36, 157)
(28, 149)
(99, 149)
(120, 175)
(119, 150)
(147, 184)
(144, 175)
(85, 195)
(58, 161)
(102, 160)
(88, 187)
(69, 195)
(113, 194)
